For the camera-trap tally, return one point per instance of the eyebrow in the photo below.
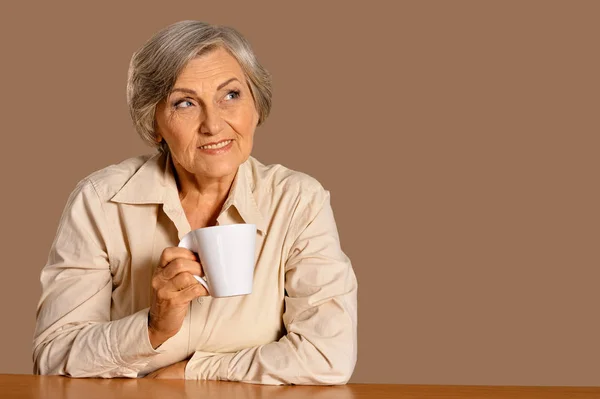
(190, 91)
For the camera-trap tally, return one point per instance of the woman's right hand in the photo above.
(174, 287)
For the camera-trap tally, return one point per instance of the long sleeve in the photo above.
(320, 347)
(74, 334)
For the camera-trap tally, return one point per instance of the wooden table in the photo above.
(29, 386)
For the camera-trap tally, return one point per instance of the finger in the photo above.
(181, 291)
(193, 292)
(181, 265)
(181, 282)
(171, 253)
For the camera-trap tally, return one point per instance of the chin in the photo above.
(220, 169)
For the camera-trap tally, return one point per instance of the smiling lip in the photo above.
(216, 142)
(217, 151)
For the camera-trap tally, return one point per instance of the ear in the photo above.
(158, 109)
(157, 136)
(256, 117)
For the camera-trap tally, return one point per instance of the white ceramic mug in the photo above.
(227, 256)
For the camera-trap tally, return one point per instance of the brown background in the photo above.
(459, 140)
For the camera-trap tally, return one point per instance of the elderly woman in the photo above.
(118, 296)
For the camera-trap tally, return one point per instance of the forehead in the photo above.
(210, 68)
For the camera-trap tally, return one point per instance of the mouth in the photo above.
(216, 146)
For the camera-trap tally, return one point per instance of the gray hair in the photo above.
(154, 68)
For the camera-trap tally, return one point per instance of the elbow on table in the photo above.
(41, 363)
(47, 363)
(338, 374)
(339, 371)
(49, 358)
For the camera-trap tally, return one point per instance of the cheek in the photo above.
(181, 132)
(244, 122)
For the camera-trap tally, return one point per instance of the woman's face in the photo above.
(210, 103)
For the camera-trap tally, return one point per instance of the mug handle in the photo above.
(188, 242)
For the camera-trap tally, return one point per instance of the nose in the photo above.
(212, 122)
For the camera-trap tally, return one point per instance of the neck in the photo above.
(197, 190)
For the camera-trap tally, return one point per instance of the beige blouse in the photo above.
(299, 325)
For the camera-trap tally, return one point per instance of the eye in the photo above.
(183, 104)
(234, 93)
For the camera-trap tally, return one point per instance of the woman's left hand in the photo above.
(175, 371)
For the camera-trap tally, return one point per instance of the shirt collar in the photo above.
(148, 184)
(154, 183)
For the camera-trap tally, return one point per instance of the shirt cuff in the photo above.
(208, 366)
(131, 342)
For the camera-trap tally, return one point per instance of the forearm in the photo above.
(119, 348)
(270, 364)
(317, 351)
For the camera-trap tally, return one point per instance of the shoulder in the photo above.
(279, 179)
(110, 179)
(290, 193)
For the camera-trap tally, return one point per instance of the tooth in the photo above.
(215, 146)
